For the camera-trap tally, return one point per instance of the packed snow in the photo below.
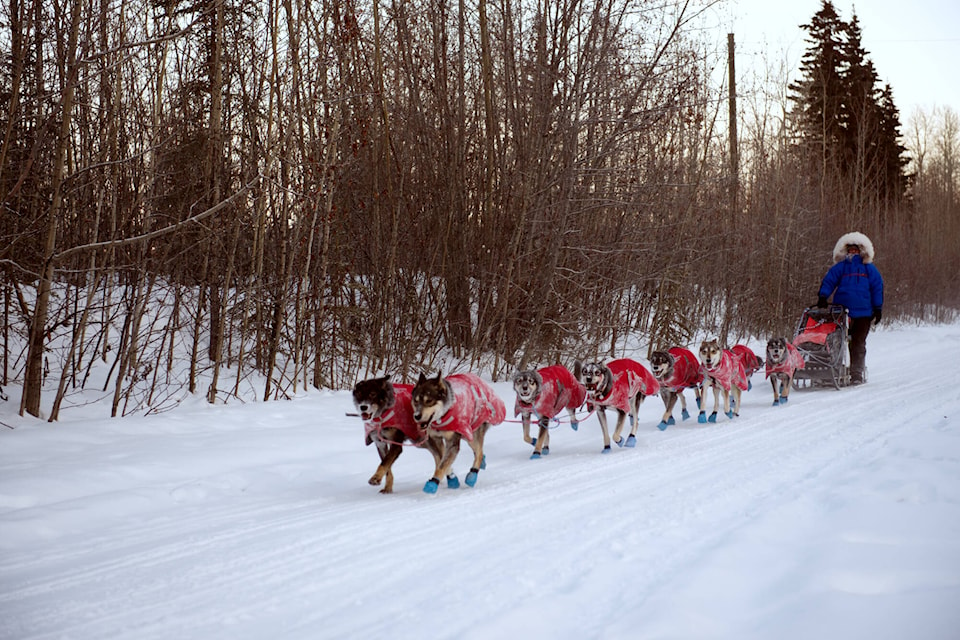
(835, 516)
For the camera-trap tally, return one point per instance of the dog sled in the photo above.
(821, 338)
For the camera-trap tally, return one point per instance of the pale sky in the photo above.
(914, 45)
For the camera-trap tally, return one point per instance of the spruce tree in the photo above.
(847, 129)
(894, 178)
(817, 95)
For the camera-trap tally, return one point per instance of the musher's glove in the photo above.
(877, 314)
(822, 302)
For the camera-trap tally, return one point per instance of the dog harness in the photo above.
(728, 372)
(686, 371)
(400, 416)
(792, 361)
(473, 403)
(559, 391)
(629, 378)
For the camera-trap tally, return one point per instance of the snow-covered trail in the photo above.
(256, 521)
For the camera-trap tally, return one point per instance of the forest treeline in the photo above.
(313, 192)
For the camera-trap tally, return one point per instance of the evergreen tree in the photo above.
(894, 179)
(818, 93)
(847, 129)
(860, 118)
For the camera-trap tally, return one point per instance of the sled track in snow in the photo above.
(632, 507)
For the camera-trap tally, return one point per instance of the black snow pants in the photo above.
(859, 328)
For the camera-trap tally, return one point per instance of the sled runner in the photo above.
(821, 338)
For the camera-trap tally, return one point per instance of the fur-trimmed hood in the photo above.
(857, 238)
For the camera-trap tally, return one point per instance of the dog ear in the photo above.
(421, 379)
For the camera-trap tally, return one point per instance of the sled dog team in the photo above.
(438, 413)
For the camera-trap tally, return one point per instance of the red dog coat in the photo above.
(559, 391)
(728, 373)
(400, 416)
(749, 360)
(686, 370)
(792, 362)
(474, 403)
(629, 378)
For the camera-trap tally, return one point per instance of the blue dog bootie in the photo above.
(471, 478)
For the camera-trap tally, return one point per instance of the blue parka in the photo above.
(854, 281)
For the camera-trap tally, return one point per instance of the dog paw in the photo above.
(374, 481)
(702, 418)
(606, 449)
(671, 421)
(533, 442)
(631, 442)
(684, 414)
(453, 482)
(574, 425)
(713, 417)
(783, 399)
(663, 425)
(535, 455)
(729, 414)
(432, 485)
(471, 478)
(619, 442)
(546, 451)
(776, 403)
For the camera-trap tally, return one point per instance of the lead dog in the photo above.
(722, 371)
(783, 360)
(750, 361)
(545, 393)
(676, 369)
(452, 408)
(387, 415)
(622, 385)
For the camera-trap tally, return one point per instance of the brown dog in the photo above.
(452, 408)
(387, 415)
